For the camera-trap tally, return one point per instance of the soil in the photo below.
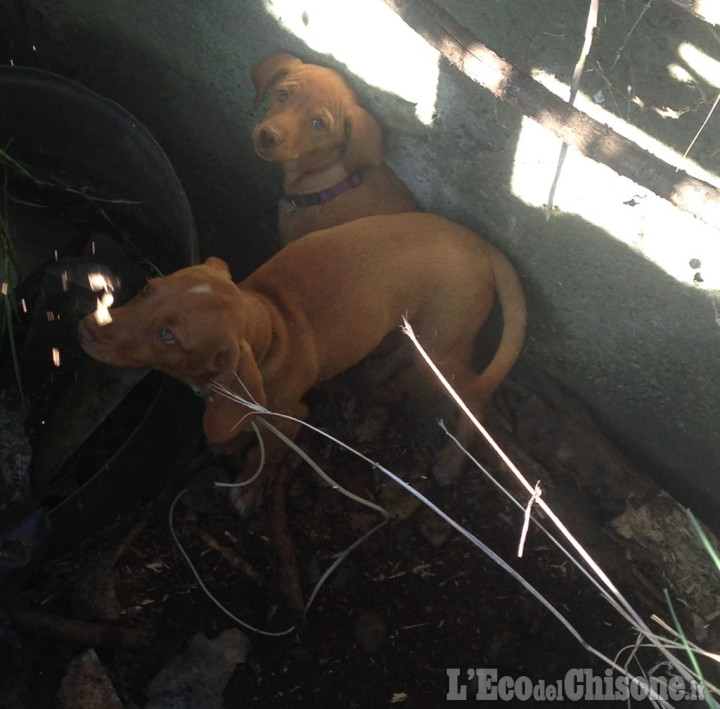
(413, 602)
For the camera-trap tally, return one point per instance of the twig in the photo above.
(282, 542)
(574, 86)
(82, 632)
(526, 520)
(702, 127)
(230, 555)
(639, 681)
(629, 610)
(645, 8)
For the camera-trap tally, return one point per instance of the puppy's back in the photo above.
(394, 247)
(362, 277)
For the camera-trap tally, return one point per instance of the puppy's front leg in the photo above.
(274, 472)
(258, 466)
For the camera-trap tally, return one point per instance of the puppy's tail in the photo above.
(514, 311)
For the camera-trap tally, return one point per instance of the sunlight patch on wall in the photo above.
(683, 247)
(372, 41)
(700, 63)
(596, 111)
(650, 225)
(681, 74)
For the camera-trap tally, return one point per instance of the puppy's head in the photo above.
(188, 324)
(312, 117)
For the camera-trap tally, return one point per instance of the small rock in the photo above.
(87, 686)
(196, 678)
(398, 502)
(94, 596)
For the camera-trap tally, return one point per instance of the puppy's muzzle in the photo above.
(266, 141)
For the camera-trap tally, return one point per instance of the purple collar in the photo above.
(315, 198)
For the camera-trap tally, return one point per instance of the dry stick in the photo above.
(229, 554)
(715, 657)
(577, 76)
(620, 604)
(283, 544)
(681, 668)
(526, 519)
(519, 89)
(407, 329)
(640, 624)
(620, 51)
(82, 632)
(203, 586)
(257, 408)
(702, 127)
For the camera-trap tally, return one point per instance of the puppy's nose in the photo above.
(269, 138)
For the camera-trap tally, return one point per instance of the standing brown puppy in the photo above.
(318, 307)
(330, 148)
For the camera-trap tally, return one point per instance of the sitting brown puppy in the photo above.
(316, 308)
(329, 147)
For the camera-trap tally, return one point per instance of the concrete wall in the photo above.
(632, 334)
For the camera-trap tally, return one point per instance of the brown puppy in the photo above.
(329, 147)
(316, 308)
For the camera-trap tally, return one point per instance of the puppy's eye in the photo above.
(282, 95)
(318, 123)
(166, 336)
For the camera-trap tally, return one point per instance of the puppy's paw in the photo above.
(247, 500)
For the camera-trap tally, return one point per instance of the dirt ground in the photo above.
(413, 602)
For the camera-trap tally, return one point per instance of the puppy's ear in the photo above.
(270, 70)
(224, 418)
(218, 264)
(363, 144)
